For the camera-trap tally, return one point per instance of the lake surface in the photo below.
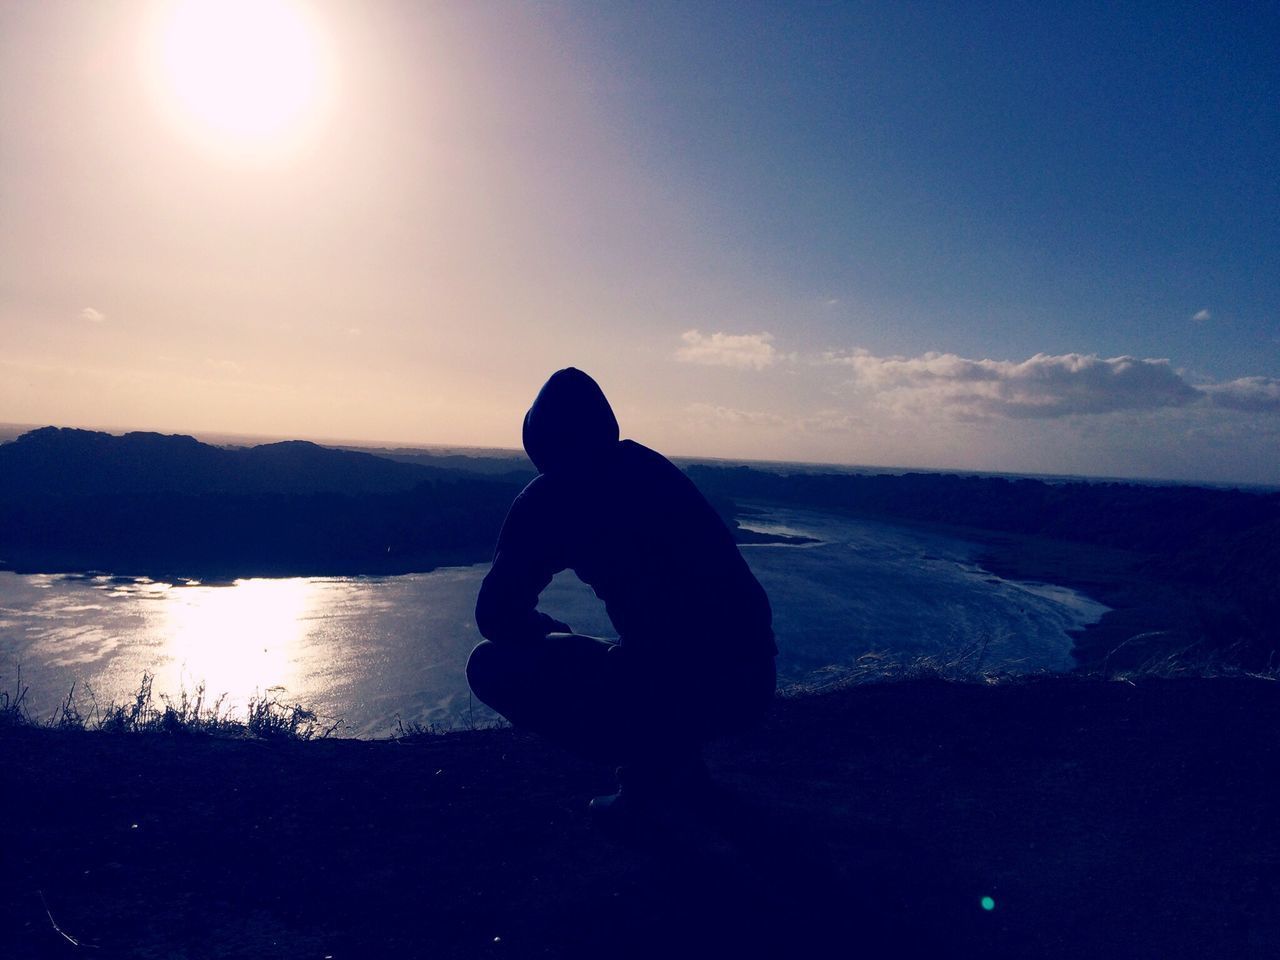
(371, 649)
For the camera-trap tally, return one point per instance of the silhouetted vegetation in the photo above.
(266, 716)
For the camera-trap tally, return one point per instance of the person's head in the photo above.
(570, 425)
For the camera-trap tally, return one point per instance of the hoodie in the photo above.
(570, 426)
(633, 527)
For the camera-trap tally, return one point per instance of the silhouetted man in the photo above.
(695, 655)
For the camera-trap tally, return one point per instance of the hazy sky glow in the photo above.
(1025, 237)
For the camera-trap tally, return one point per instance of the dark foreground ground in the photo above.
(1104, 819)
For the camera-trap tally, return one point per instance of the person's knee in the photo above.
(488, 672)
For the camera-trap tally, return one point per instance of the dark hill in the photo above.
(148, 503)
(61, 461)
(494, 463)
(144, 503)
(1130, 516)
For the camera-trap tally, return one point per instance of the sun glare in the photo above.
(242, 74)
(236, 639)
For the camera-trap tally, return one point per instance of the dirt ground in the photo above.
(1102, 819)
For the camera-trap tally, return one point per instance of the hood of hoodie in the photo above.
(570, 425)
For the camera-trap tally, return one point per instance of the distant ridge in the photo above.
(70, 461)
(169, 505)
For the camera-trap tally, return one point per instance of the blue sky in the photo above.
(1024, 237)
(1028, 177)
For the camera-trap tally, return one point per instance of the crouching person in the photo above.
(695, 654)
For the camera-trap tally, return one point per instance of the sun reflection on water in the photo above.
(237, 639)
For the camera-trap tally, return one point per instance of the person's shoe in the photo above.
(644, 805)
(623, 814)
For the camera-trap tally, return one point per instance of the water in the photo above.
(371, 649)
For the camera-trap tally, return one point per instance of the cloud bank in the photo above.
(1041, 387)
(1251, 394)
(1076, 413)
(748, 351)
(715, 413)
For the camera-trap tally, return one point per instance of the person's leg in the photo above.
(662, 776)
(567, 687)
(607, 704)
(672, 713)
(739, 695)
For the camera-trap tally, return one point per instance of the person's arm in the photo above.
(527, 557)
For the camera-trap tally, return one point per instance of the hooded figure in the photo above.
(695, 654)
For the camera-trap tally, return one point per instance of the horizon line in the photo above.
(10, 431)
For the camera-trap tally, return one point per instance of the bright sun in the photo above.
(241, 73)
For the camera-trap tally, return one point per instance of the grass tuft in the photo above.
(13, 707)
(415, 729)
(1194, 660)
(270, 719)
(966, 666)
(962, 666)
(267, 717)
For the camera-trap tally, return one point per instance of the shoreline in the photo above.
(1109, 576)
(167, 572)
(175, 572)
(1138, 604)
(1131, 633)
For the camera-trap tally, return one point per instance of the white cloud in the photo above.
(1116, 396)
(748, 351)
(1041, 387)
(709, 412)
(1202, 316)
(1068, 413)
(92, 315)
(821, 421)
(228, 368)
(832, 421)
(1251, 394)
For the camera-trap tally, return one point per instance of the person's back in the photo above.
(636, 530)
(695, 651)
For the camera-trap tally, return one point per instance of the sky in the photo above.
(1016, 237)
